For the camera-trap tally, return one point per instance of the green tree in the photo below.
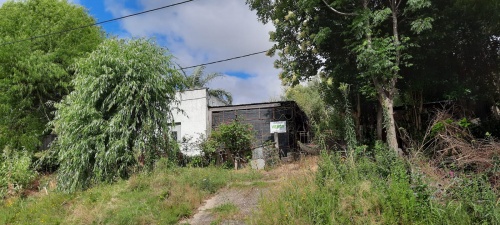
(198, 79)
(117, 118)
(322, 115)
(345, 40)
(36, 73)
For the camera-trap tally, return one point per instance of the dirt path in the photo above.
(234, 204)
(243, 199)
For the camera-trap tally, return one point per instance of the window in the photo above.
(176, 132)
(174, 135)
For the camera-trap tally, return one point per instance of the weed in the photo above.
(376, 189)
(224, 211)
(160, 197)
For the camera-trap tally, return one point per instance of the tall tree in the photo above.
(35, 72)
(345, 40)
(198, 79)
(118, 116)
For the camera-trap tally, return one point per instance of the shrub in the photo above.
(15, 171)
(234, 138)
(477, 199)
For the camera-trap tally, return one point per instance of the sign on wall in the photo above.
(278, 127)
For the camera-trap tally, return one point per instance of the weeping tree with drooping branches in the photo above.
(116, 121)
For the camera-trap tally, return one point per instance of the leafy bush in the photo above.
(478, 199)
(234, 138)
(15, 171)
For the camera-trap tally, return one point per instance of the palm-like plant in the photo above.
(198, 79)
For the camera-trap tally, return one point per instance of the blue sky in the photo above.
(199, 32)
(98, 10)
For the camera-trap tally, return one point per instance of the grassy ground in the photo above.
(376, 189)
(162, 197)
(372, 189)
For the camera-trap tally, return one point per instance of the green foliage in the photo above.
(235, 137)
(350, 133)
(378, 190)
(367, 43)
(36, 73)
(440, 126)
(323, 109)
(117, 118)
(468, 70)
(223, 211)
(15, 171)
(464, 123)
(478, 199)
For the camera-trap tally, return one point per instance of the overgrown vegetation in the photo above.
(163, 196)
(116, 121)
(324, 117)
(449, 176)
(35, 74)
(376, 188)
(114, 100)
(444, 174)
(230, 142)
(16, 173)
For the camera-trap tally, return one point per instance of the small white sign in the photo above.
(278, 127)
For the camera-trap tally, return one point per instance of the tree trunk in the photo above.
(390, 125)
(388, 98)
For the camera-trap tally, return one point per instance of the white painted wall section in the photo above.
(192, 122)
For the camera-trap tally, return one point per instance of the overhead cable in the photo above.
(224, 60)
(94, 24)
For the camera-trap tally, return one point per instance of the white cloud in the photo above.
(210, 30)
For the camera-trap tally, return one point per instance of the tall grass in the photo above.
(375, 188)
(160, 197)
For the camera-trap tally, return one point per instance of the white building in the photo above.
(192, 122)
(201, 113)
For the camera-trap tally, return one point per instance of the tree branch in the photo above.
(338, 12)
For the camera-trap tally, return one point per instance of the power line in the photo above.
(224, 60)
(94, 24)
(123, 17)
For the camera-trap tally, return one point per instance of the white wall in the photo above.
(193, 121)
(194, 118)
